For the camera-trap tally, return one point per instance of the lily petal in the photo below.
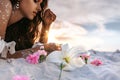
(75, 51)
(68, 67)
(55, 57)
(65, 48)
(77, 62)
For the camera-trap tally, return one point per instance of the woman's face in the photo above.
(29, 8)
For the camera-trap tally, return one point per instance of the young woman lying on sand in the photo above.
(26, 22)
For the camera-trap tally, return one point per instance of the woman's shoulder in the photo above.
(5, 8)
(5, 13)
(5, 5)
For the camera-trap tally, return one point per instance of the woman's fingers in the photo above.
(49, 16)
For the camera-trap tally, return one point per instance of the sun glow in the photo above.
(74, 35)
(62, 32)
(51, 36)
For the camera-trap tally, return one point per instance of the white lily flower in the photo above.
(68, 57)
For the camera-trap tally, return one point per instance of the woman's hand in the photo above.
(48, 17)
(49, 47)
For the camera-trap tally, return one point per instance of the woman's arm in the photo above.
(24, 53)
(5, 12)
(47, 20)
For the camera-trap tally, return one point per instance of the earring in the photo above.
(17, 5)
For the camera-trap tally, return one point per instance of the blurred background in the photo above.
(93, 24)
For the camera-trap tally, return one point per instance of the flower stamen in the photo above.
(67, 59)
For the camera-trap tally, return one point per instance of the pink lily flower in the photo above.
(18, 77)
(96, 62)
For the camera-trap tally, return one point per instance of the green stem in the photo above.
(86, 60)
(61, 67)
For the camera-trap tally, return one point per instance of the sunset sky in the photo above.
(94, 24)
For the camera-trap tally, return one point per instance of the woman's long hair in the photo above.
(24, 32)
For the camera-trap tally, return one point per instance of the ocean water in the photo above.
(93, 24)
